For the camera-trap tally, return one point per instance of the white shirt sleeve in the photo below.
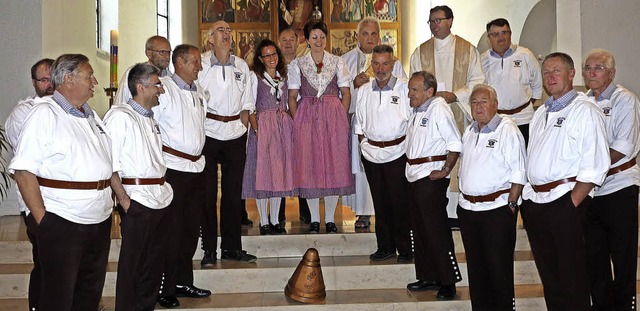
(398, 71)
(513, 151)
(591, 140)
(293, 75)
(536, 76)
(447, 128)
(344, 77)
(627, 127)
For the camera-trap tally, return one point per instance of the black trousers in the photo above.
(73, 259)
(524, 129)
(435, 257)
(183, 228)
(140, 264)
(612, 237)
(389, 190)
(231, 155)
(303, 208)
(489, 239)
(35, 278)
(556, 235)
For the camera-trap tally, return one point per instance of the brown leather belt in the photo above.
(549, 186)
(382, 144)
(79, 185)
(180, 154)
(515, 110)
(621, 167)
(426, 159)
(485, 198)
(222, 118)
(143, 181)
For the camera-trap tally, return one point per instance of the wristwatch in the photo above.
(513, 204)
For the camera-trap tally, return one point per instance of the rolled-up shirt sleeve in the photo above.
(513, 150)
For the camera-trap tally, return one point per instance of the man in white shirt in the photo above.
(180, 116)
(456, 64)
(41, 80)
(513, 71)
(143, 193)
(433, 147)
(358, 61)
(567, 156)
(612, 217)
(492, 174)
(158, 51)
(381, 120)
(63, 169)
(225, 80)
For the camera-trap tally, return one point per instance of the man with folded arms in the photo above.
(225, 79)
(513, 71)
(143, 193)
(567, 156)
(612, 217)
(62, 165)
(492, 174)
(382, 117)
(433, 147)
(180, 116)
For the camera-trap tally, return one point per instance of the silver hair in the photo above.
(369, 20)
(484, 87)
(66, 64)
(140, 73)
(609, 60)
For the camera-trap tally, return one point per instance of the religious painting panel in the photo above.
(295, 14)
(216, 10)
(390, 37)
(346, 11)
(247, 41)
(253, 11)
(383, 10)
(343, 40)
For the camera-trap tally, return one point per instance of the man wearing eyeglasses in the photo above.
(143, 194)
(456, 64)
(567, 156)
(513, 71)
(612, 217)
(41, 80)
(63, 167)
(158, 51)
(225, 80)
(180, 116)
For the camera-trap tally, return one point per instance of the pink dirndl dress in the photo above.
(322, 164)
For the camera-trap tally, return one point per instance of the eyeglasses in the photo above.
(43, 80)
(223, 29)
(157, 85)
(503, 33)
(161, 52)
(596, 68)
(437, 21)
(270, 55)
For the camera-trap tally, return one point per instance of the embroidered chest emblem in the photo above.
(517, 63)
(423, 122)
(100, 129)
(491, 143)
(559, 121)
(238, 76)
(157, 129)
(394, 99)
(606, 111)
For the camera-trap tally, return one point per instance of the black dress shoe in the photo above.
(208, 260)
(405, 257)
(246, 222)
(447, 292)
(424, 285)
(264, 230)
(191, 291)
(331, 227)
(314, 227)
(381, 255)
(168, 301)
(278, 229)
(238, 255)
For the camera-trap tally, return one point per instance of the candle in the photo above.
(113, 60)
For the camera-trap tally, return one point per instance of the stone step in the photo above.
(528, 298)
(269, 246)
